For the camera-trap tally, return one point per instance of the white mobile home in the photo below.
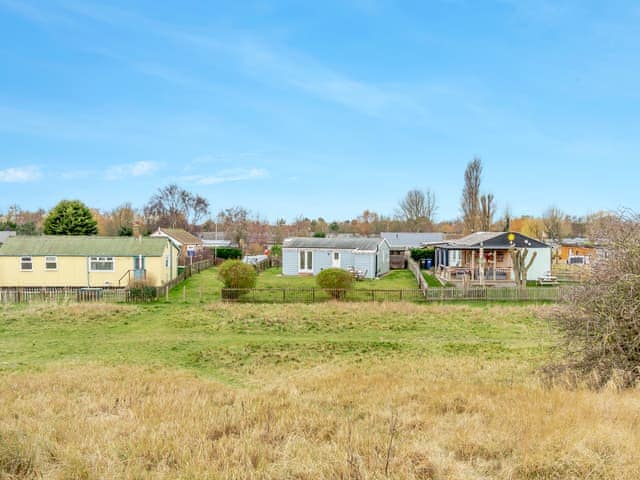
(308, 255)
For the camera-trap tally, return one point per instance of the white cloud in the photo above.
(20, 174)
(138, 169)
(224, 176)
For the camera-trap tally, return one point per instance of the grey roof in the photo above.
(357, 243)
(411, 239)
(212, 236)
(494, 240)
(79, 245)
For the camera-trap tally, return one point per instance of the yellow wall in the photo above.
(74, 272)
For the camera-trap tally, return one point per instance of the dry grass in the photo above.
(440, 419)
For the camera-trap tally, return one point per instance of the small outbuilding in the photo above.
(368, 257)
(401, 243)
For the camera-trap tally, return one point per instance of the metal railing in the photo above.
(313, 295)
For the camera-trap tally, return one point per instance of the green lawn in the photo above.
(432, 281)
(396, 279)
(205, 286)
(232, 342)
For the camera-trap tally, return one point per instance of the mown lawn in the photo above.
(206, 286)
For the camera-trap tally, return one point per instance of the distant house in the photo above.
(189, 244)
(401, 243)
(570, 248)
(484, 257)
(86, 261)
(308, 255)
(5, 234)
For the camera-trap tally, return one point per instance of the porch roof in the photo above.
(493, 241)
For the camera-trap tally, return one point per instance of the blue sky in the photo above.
(325, 108)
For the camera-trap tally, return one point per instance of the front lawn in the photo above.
(394, 280)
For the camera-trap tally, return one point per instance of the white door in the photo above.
(335, 260)
(305, 264)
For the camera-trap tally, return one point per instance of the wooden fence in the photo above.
(413, 266)
(62, 295)
(312, 295)
(84, 294)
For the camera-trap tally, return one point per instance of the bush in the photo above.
(600, 323)
(142, 290)
(227, 252)
(336, 281)
(421, 253)
(236, 274)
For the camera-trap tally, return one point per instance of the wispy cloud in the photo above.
(289, 68)
(137, 169)
(20, 174)
(226, 176)
(257, 58)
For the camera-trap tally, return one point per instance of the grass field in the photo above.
(362, 391)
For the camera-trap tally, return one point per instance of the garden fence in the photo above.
(312, 295)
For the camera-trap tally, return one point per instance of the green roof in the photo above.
(68, 245)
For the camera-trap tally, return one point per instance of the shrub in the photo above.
(236, 274)
(336, 281)
(600, 323)
(227, 252)
(421, 253)
(142, 290)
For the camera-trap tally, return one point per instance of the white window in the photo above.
(51, 263)
(26, 264)
(306, 261)
(101, 264)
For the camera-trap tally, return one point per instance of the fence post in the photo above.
(313, 295)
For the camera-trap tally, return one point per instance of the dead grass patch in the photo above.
(452, 420)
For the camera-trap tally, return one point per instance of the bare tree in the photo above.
(175, 207)
(418, 208)
(554, 221)
(487, 211)
(520, 264)
(470, 203)
(235, 222)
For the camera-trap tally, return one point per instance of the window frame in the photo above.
(101, 259)
(47, 261)
(23, 262)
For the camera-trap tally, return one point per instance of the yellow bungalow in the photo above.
(86, 261)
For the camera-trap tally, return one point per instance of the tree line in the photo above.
(173, 206)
